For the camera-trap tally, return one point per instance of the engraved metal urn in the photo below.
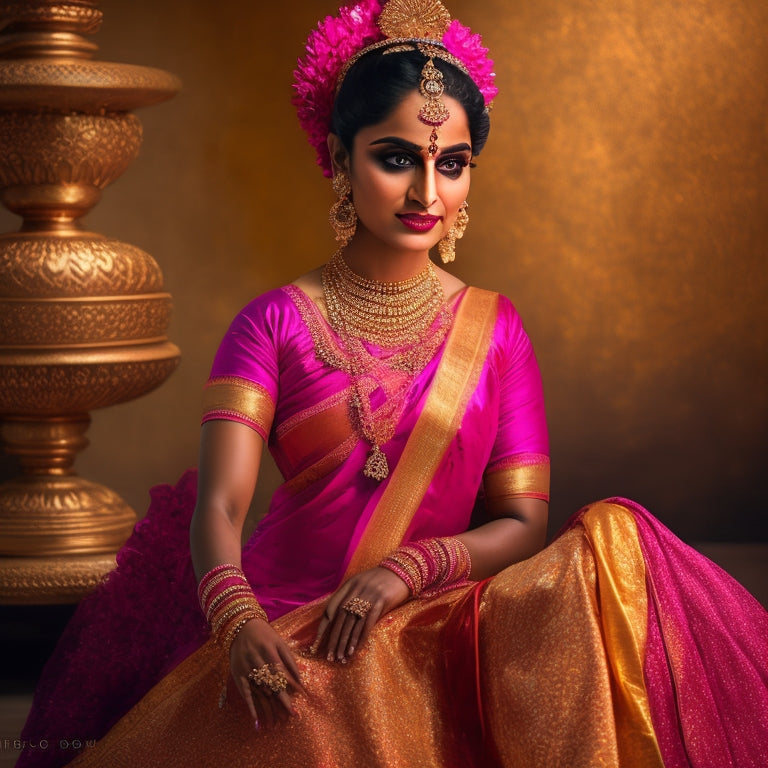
(83, 318)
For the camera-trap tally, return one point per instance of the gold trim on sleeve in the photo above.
(236, 399)
(526, 480)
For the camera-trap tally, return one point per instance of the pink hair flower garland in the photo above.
(468, 49)
(329, 47)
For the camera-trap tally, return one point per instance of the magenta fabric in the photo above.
(302, 548)
(124, 637)
(145, 619)
(706, 666)
(705, 662)
(706, 656)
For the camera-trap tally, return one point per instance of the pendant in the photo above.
(376, 466)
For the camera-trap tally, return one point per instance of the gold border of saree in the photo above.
(612, 534)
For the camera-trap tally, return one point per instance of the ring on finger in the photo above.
(357, 606)
(269, 676)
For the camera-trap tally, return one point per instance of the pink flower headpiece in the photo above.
(337, 40)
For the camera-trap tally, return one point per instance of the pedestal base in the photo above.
(51, 580)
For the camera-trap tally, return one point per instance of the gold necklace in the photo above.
(389, 314)
(406, 320)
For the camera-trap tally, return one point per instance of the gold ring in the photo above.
(269, 676)
(357, 607)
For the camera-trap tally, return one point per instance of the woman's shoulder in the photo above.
(310, 284)
(506, 310)
(509, 341)
(279, 303)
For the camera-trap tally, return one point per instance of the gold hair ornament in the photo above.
(418, 25)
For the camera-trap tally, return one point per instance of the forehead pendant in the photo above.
(422, 21)
(433, 112)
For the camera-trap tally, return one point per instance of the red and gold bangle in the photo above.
(430, 566)
(228, 602)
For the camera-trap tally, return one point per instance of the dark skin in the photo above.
(230, 456)
(230, 453)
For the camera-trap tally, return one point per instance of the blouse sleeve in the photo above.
(243, 383)
(519, 462)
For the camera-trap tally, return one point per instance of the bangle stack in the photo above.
(228, 603)
(430, 566)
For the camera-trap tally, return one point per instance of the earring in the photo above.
(343, 216)
(447, 246)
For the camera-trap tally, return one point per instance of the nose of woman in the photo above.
(424, 187)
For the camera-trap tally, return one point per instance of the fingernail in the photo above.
(351, 649)
(256, 724)
(343, 660)
(314, 647)
(330, 657)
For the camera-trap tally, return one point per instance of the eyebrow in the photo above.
(397, 141)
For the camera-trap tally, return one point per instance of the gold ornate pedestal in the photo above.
(83, 319)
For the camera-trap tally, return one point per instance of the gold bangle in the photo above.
(230, 573)
(238, 606)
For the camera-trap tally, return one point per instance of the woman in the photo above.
(395, 606)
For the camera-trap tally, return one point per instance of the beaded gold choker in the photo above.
(389, 314)
(388, 332)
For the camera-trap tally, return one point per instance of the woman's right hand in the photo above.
(258, 644)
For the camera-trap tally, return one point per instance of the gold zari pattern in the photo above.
(549, 633)
(228, 396)
(530, 481)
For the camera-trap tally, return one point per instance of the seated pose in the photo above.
(397, 605)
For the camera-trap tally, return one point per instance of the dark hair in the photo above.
(379, 81)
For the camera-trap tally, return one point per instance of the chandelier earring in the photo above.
(447, 246)
(343, 215)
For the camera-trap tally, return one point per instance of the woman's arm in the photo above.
(517, 530)
(230, 456)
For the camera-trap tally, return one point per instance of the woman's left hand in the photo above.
(342, 630)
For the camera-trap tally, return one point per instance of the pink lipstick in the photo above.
(418, 222)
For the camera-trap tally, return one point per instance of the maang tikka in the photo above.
(433, 112)
(447, 246)
(426, 21)
(343, 216)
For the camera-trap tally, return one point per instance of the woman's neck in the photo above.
(372, 259)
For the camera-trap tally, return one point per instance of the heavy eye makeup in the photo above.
(396, 158)
(452, 166)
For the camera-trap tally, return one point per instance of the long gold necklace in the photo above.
(388, 332)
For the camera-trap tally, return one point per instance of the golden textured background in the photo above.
(621, 204)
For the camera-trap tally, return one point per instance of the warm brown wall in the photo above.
(621, 204)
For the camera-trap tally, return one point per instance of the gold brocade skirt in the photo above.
(559, 676)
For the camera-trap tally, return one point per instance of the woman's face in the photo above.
(404, 197)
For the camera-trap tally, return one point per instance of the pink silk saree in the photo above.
(616, 645)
